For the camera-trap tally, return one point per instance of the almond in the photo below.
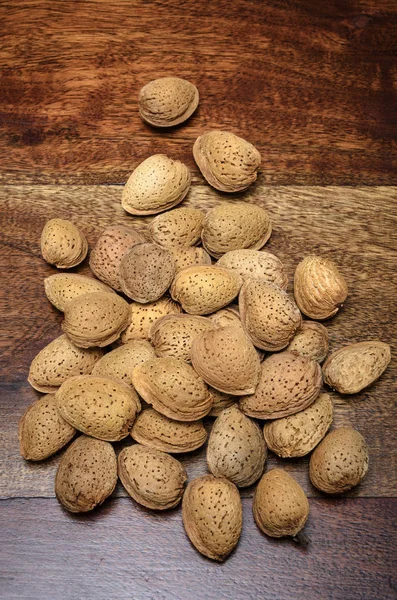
(226, 316)
(157, 184)
(143, 316)
(173, 335)
(146, 272)
(101, 407)
(95, 319)
(178, 228)
(340, 461)
(63, 244)
(252, 263)
(311, 340)
(298, 434)
(226, 360)
(42, 430)
(64, 287)
(120, 363)
(157, 431)
(220, 401)
(320, 289)
(230, 227)
(202, 290)
(212, 516)
(353, 368)
(236, 448)
(188, 257)
(86, 475)
(168, 101)
(288, 384)
(152, 478)
(229, 163)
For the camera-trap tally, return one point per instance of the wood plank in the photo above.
(310, 84)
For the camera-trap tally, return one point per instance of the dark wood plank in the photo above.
(309, 83)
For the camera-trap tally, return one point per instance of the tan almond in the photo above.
(173, 335)
(63, 244)
(168, 101)
(252, 263)
(212, 515)
(288, 384)
(143, 316)
(64, 287)
(42, 431)
(152, 478)
(298, 434)
(311, 340)
(120, 362)
(229, 163)
(188, 257)
(226, 316)
(220, 401)
(157, 184)
(178, 228)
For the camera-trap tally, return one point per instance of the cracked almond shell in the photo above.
(253, 263)
(64, 287)
(63, 244)
(120, 362)
(168, 101)
(143, 316)
(311, 340)
(173, 335)
(178, 228)
(189, 257)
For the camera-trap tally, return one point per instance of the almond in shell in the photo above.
(188, 257)
(226, 316)
(220, 401)
(63, 244)
(173, 335)
(168, 101)
(143, 316)
(311, 340)
(252, 263)
(178, 228)
(146, 272)
(64, 287)
(120, 362)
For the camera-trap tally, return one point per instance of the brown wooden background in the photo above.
(313, 86)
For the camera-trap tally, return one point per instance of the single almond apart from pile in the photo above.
(63, 244)
(168, 101)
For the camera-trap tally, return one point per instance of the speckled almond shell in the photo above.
(157, 431)
(42, 431)
(178, 228)
(168, 101)
(319, 288)
(120, 362)
(152, 478)
(353, 368)
(101, 407)
(212, 515)
(64, 287)
(235, 226)
(226, 316)
(236, 448)
(63, 244)
(288, 384)
(58, 361)
(269, 315)
(173, 335)
(227, 360)
(95, 319)
(157, 184)
(188, 257)
(86, 475)
(229, 163)
(146, 272)
(173, 388)
(340, 461)
(220, 401)
(252, 263)
(298, 434)
(280, 505)
(143, 316)
(311, 340)
(105, 257)
(202, 290)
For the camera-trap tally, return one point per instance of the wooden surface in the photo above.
(313, 86)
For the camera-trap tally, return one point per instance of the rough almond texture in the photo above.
(146, 272)
(157, 431)
(340, 461)
(178, 228)
(120, 363)
(212, 516)
(42, 431)
(201, 290)
(143, 316)
(101, 407)
(58, 361)
(168, 101)
(288, 384)
(226, 316)
(230, 227)
(298, 434)
(280, 505)
(269, 316)
(252, 263)
(64, 287)
(105, 257)
(95, 319)
(227, 360)
(236, 448)
(229, 163)
(220, 401)
(152, 478)
(353, 368)
(320, 289)
(173, 388)
(157, 184)
(173, 335)
(188, 257)
(63, 244)
(311, 340)
(86, 475)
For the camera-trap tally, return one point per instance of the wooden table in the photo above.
(311, 85)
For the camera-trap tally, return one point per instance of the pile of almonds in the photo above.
(184, 349)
